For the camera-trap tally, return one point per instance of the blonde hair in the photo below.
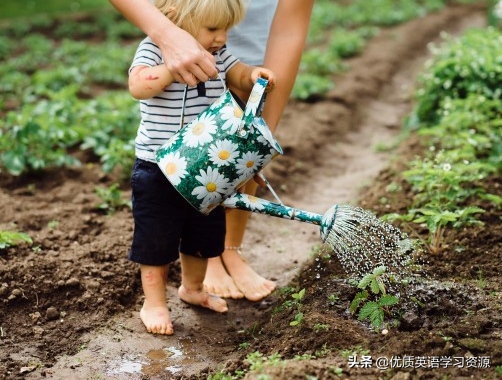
(190, 15)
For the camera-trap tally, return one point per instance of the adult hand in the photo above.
(188, 61)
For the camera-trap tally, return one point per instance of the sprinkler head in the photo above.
(327, 222)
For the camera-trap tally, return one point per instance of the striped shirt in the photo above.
(160, 115)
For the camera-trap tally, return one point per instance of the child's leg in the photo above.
(193, 270)
(154, 313)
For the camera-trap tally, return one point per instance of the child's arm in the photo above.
(243, 77)
(147, 81)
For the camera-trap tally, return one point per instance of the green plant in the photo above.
(297, 302)
(112, 198)
(333, 299)
(374, 310)
(244, 345)
(356, 351)
(482, 283)
(13, 238)
(53, 224)
(468, 65)
(318, 327)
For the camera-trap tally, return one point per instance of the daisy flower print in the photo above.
(174, 167)
(253, 202)
(254, 100)
(212, 184)
(248, 163)
(223, 153)
(232, 114)
(201, 131)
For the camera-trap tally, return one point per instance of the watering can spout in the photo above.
(250, 203)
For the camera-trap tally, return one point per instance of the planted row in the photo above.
(459, 119)
(341, 30)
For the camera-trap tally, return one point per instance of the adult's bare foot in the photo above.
(201, 297)
(156, 319)
(254, 286)
(218, 282)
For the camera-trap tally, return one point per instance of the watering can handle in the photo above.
(250, 112)
(255, 103)
(260, 174)
(182, 119)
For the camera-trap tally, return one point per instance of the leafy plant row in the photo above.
(341, 30)
(459, 119)
(63, 85)
(62, 94)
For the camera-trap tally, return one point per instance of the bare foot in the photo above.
(254, 286)
(203, 298)
(156, 319)
(218, 282)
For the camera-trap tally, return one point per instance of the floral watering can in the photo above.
(220, 150)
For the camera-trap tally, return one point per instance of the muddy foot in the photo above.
(203, 298)
(156, 320)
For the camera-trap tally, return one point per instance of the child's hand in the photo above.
(264, 73)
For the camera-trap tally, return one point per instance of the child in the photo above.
(166, 225)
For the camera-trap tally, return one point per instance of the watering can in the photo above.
(220, 150)
(228, 144)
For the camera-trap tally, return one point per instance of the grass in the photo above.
(11, 9)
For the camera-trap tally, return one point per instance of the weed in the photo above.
(482, 283)
(251, 331)
(53, 224)
(333, 299)
(336, 370)
(320, 327)
(356, 351)
(244, 345)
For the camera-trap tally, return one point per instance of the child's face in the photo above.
(211, 38)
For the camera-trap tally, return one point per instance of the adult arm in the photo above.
(284, 51)
(188, 61)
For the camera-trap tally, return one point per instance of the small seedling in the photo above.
(482, 283)
(297, 302)
(333, 299)
(320, 327)
(244, 345)
(375, 310)
(111, 198)
(298, 320)
(12, 238)
(53, 224)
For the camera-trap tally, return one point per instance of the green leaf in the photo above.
(365, 281)
(388, 300)
(376, 318)
(375, 286)
(359, 297)
(378, 271)
(367, 310)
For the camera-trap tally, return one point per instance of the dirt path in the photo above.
(330, 157)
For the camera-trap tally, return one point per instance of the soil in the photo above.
(70, 302)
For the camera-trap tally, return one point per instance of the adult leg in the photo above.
(193, 270)
(253, 286)
(154, 313)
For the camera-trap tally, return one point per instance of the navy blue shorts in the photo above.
(166, 224)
